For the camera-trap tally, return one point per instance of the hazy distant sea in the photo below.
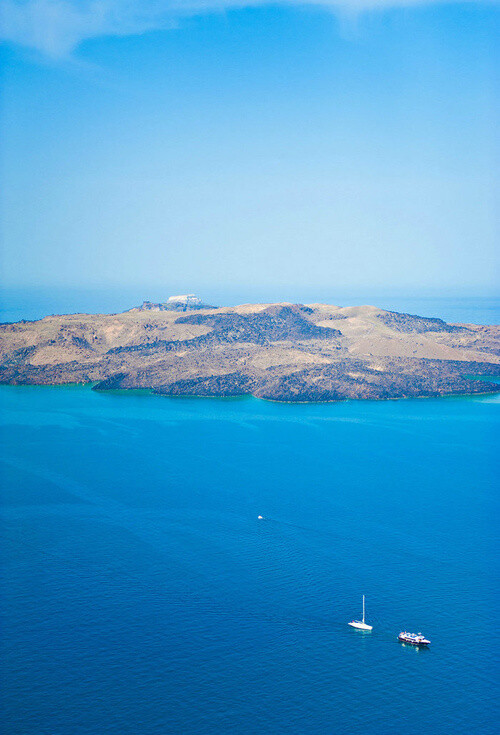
(17, 304)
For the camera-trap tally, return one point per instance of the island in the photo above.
(281, 352)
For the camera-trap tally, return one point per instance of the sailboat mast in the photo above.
(363, 608)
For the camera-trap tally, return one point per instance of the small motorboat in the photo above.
(415, 639)
(360, 624)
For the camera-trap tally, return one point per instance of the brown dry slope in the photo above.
(287, 352)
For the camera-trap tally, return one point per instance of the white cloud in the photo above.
(57, 27)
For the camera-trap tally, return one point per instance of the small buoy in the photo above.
(260, 518)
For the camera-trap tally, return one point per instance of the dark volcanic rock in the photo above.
(18, 357)
(232, 384)
(113, 382)
(274, 324)
(69, 372)
(153, 347)
(401, 379)
(413, 323)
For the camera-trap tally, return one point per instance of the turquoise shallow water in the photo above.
(142, 595)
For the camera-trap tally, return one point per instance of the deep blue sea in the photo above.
(142, 595)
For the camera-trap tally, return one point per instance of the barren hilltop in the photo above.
(284, 352)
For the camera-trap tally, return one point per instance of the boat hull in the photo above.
(418, 641)
(359, 625)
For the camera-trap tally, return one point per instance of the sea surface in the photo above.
(142, 594)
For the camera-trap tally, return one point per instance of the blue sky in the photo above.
(259, 146)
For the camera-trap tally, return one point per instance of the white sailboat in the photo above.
(361, 623)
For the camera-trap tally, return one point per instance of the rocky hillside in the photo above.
(286, 352)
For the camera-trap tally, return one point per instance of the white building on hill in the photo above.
(187, 299)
